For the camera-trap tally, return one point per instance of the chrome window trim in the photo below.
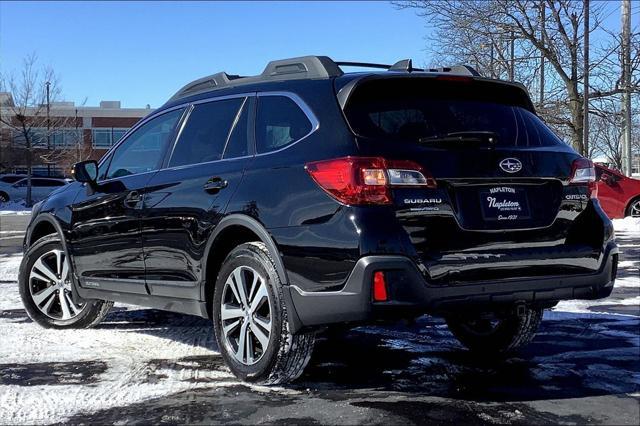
(233, 127)
(315, 125)
(246, 96)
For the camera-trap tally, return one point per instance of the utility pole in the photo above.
(47, 84)
(543, 17)
(78, 140)
(512, 66)
(626, 82)
(585, 105)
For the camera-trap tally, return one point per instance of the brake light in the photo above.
(584, 172)
(366, 180)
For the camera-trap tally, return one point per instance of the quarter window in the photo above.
(143, 150)
(206, 132)
(279, 123)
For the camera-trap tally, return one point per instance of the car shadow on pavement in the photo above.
(573, 356)
(187, 329)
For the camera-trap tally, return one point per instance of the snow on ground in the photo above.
(9, 265)
(140, 354)
(134, 355)
(14, 207)
(628, 224)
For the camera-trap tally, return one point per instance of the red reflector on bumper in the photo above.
(379, 287)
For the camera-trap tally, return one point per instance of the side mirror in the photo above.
(85, 171)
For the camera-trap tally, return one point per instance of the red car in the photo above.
(619, 195)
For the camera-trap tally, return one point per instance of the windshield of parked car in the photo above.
(429, 110)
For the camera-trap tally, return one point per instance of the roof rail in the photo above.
(284, 69)
(302, 67)
(403, 65)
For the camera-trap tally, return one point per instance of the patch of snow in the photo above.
(14, 207)
(628, 224)
(143, 359)
(629, 282)
(582, 306)
(9, 265)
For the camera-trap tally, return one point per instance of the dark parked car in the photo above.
(305, 197)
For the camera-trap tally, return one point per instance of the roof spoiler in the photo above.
(304, 67)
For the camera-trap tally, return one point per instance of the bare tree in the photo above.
(28, 118)
(515, 37)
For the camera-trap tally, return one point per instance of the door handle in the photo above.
(132, 198)
(215, 184)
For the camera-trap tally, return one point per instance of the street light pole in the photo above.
(47, 84)
(626, 82)
(78, 139)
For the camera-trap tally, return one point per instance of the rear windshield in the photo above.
(419, 110)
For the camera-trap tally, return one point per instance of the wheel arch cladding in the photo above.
(41, 229)
(232, 231)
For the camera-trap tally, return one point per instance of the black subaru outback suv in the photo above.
(304, 197)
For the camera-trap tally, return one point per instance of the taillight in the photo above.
(379, 287)
(366, 180)
(583, 172)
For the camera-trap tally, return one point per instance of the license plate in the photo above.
(504, 203)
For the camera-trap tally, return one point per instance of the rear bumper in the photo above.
(410, 293)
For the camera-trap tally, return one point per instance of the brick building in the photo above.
(81, 132)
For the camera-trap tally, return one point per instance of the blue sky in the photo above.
(142, 52)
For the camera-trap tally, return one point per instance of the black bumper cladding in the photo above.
(411, 293)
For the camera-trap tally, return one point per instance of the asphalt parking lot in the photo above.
(149, 366)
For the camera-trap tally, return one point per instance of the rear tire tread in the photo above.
(294, 351)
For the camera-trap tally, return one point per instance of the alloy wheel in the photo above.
(634, 209)
(245, 313)
(50, 286)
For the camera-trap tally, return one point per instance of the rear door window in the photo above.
(206, 132)
(279, 123)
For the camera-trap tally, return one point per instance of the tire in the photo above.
(633, 209)
(4, 197)
(506, 334)
(263, 311)
(43, 297)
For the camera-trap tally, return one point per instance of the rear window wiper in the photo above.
(468, 136)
